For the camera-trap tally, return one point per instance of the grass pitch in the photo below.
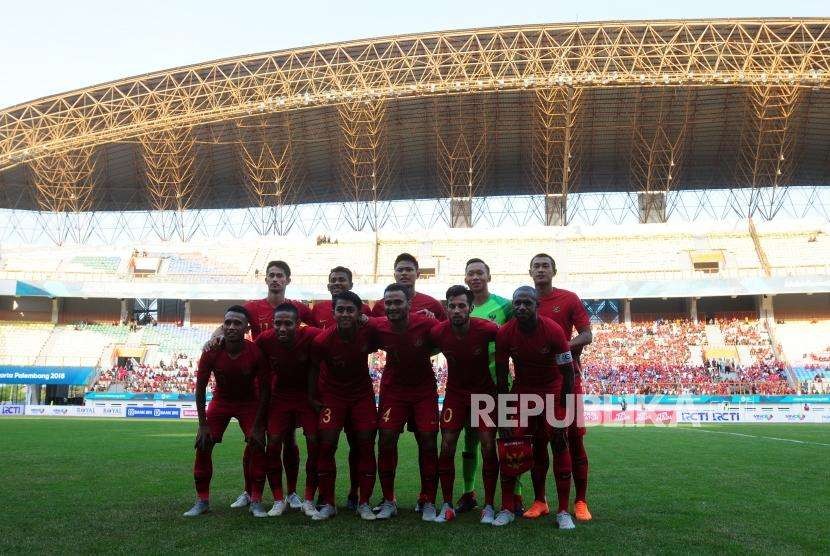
(93, 486)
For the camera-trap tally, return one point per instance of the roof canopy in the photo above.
(545, 109)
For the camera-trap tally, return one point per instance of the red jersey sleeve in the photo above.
(435, 334)
(256, 329)
(205, 365)
(490, 330)
(260, 365)
(379, 310)
(318, 348)
(304, 312)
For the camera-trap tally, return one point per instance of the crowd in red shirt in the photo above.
(655, 358)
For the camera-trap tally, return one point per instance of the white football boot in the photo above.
(387, 509)
(488, 514)
(294, 501)
(565, 521)
(365, 512)
(242, 501)
(325, 512)
(199, 508)
(277, 509)
(503, 518)
(446, 514)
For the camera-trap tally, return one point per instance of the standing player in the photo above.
(465, 343)
(567, 310)
(277, 278)
(406, 274)
(340, 280)
(287, 348)
(236, 367)
(322, 316)
(407, 391)
(342, 392)
(498, 310)
(543, 365)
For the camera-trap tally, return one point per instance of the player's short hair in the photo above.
(348, 296)
(529, 290)
(477, 260)
(282, 264)
(287, 308)
(406, 257)
(545, 255)
(457, 290)
(398, 288)
(239, 309)
(342, 269)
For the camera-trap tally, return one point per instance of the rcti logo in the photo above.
(715, 417)
(11, 410)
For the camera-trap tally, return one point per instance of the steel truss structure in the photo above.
(643, 109)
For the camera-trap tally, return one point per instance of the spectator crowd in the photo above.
(643, 358)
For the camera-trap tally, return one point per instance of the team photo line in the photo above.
(307, 368)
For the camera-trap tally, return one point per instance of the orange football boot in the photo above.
(538, 509)
(581, 511)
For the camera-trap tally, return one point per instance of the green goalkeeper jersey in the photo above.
(496, 309)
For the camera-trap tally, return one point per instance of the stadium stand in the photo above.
(22, 342)
(634, 251)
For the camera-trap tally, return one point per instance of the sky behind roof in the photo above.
(56, 46)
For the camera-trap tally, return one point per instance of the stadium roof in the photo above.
(554, 109)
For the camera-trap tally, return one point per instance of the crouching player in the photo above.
(341, 391)
(465, 343)
(287, 348)
(543, 366)
(236, 366)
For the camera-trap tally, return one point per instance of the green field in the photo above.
(80, 486)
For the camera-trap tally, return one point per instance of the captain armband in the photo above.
(564, 358)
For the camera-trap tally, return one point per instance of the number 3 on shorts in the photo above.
(386, 413)
(325, 415)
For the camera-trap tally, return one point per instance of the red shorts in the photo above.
(356, 414)
(396, 408)
(457, 413)
(287, 412)
(220, 412)
(538, 425)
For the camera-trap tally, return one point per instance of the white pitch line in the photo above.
(758, 436)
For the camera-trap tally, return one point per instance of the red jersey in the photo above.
(419, 301)
(289, 365)
(468, 357)
(566, 309)
(322, 316)
(344, 366)
(262, 314)
(536, 355)
(408, 365)
(236, 377)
